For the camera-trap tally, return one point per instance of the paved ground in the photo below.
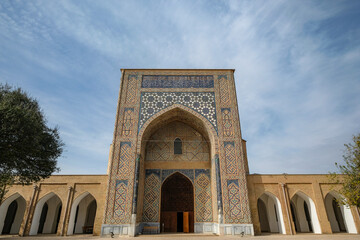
(197, 237)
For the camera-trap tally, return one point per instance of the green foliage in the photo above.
(350, 179)
(28, 147)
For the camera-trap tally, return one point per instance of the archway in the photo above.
(340, 216)
(270, 214)
(82, 215)
(263, 218)
(11, 214)
(183, 114)
(304, 213)
(177, 204)
(46, 215)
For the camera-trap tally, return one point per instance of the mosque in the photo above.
(177, 163)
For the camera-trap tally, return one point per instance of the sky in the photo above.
(297, 70)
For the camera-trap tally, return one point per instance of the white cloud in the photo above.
(298, 97)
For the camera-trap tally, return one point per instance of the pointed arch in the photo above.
(184, 114)
(306, 214)
(273, 212)
(80, 220)
(177, 172)
(51, 216)
(177, 203)
(178, 146)
(339, 216)
(12, 220)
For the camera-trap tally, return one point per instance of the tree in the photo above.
(350, 171)
(28, 147)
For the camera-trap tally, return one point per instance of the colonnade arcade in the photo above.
(47, 214)
(303, 214)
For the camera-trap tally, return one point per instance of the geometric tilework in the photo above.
(230, 158)
(121, 182)
(124, 159)
(234, 199)
(131, 89)
(120, 198)
(224, 89)
(160, 146)
(128, 122)
(187, 172)
(177, 81)
(227, 122)
(203, 200)
(152, 194)
(201, 102)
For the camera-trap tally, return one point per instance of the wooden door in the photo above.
(186, 222)
(168, 220)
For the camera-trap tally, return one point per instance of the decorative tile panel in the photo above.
(121, 183)
(120, 198)
(227, 122)
(124, 159)
(128, 122)
(201, 102)
(224, 89)
(234, 199)
(203, 200)
(187, 172)
(230, 158)
(177, 81)
(131, 89)
(152, 194)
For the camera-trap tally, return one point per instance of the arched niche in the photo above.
(177, 204)
(339, 215)
(304, 213)
(82, 215)
(12, 212)
(46, 215)
(177, 141)
(270, 214)
(183, 114)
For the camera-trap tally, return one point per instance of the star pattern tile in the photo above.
(201, 102)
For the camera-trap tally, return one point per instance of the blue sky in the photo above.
(297, 69)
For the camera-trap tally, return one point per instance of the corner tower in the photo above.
(178, 162)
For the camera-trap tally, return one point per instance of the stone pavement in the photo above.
(303, 236)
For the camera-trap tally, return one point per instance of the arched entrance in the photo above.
(47, 215)
(304, 213)
(177, 204)
(82, 216)
(11, 214)
(270, 214)
(340, 216)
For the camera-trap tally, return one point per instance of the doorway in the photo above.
(177, 204)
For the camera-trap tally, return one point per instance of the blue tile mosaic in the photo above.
(235, 181)
(176, 81)
(187, 172)
(202, 171)
(152, 171)
(201, 102)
